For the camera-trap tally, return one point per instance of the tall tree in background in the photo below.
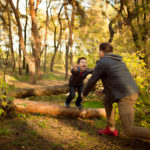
(135, 14)
(57, 42)
(19, 63)
(36, 39)
(10, 37)
(45, 38)
(69, 45)
(25, 66)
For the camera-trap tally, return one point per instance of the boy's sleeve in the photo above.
(73, 71)
(96, 75)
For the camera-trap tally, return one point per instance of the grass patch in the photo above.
(93, 104)
(42, 124)
(32, 133)
(4, 131)
(53, 76)
(52, 98)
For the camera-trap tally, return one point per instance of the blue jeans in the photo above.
(72, 91)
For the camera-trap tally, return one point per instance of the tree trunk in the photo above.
(25, 35)
(67, 43)
(45, 41)
(27, 68)
(20, 70)
(10, 39)
(56, 42)
(66, 61)
(21, 41)
(36, 36)
(55, 51)
(32, 71)
(45, 91)
(45, 58)
(27, 106)
(71, 33)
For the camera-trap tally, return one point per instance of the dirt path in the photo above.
(47, 133)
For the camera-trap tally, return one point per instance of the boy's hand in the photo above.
(99, 93)
(76, 67)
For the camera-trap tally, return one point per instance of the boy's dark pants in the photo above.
(72, 91)
(126, 113)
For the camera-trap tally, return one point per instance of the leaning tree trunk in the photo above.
(21, 41)
(27, 106)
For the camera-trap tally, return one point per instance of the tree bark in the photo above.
(47, 91)
(27, 106)
(66, 61)
(36, 37)
(20, 68)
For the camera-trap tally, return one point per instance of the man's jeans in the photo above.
(126, 113)
(72, 91)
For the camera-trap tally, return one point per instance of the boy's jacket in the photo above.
(78, 76)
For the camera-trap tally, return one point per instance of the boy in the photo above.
(120, 87)
(79, 73)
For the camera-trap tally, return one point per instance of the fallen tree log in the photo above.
(27, 106)
(44, 91)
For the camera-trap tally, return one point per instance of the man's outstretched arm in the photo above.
(97, 72)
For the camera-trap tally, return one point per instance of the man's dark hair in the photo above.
(79, 59)
(106, 47)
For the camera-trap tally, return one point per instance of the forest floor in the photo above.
(32, 132)
(38, 132)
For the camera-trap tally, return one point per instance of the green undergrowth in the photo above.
(53, 76)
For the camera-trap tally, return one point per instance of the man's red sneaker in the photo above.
(107, 131)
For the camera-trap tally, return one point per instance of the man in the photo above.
(120, 87)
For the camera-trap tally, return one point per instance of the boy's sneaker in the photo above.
(67, 105)
(79, 106)
(107, 131)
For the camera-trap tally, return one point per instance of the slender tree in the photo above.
(10, 37)
(56, 42)
(45, 39)
(25, 66)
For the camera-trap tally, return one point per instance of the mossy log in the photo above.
(44, 91)
(27, 106)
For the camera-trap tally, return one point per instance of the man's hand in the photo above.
(99, 93)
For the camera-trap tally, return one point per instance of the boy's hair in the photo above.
(106, 47)
(79, 59)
